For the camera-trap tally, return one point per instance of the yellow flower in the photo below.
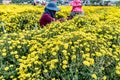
(39, 62)
(16, 56)
(19, 46)
(64, 52)
(54, 53)
(44, 60)
(104, 78)
(23, 57)
(45, 71)
(53, 78)
(66, 57)
(86, 63)
(1, 77)
(55, 60)
(86, 55)
(57, 48)
(4, 54)
(94, 76)
(36, 62)
(11, 76)
(52, 66)
(91, 60)
(32, 59)
(102, 68)
(98, 54)
(28, 74)
(118, 72)
(64, 66)
(108, 63)
(9, 42)
(15, 79)
(10, 47)
(66, 46)
(11, 65)
(29, 65)
(4, 50)
(36, 69)
(13, 52)
(87, 49)
(103, 51)
(73, 57)
(65, 62)
(6, 68)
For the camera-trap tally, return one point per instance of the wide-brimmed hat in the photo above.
(75, 3)
(52, 6)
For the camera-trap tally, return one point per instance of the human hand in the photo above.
(53, 19)
(69, 18)
(61, 19)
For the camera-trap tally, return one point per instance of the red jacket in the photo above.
(45, 19)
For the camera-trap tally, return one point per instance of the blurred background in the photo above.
(64, 2)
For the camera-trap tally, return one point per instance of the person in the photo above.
(49, 14)
(35, 2)
(76, 8)
(43, 3)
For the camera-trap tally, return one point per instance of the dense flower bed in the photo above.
(84, 48)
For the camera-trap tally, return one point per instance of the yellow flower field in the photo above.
(84, 48)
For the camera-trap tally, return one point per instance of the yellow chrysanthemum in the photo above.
(94, 76)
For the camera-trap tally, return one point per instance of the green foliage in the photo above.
(0, 1)
(118, 3)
